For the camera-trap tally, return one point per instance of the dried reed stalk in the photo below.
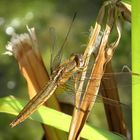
(114, 114)
(75, 117)
(31, 66)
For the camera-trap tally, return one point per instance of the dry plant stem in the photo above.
(114, 114)
(36, 77)
(92, 88)
(87, 55)
(34, 71)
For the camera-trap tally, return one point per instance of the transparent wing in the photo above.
(124, 84)
(56, 60)
(53, 49)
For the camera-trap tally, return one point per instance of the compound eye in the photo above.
(79, 60)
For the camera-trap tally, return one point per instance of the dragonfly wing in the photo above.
(55, 62)
(53, 49)
(68, 91)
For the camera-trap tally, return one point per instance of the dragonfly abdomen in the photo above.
(34, 103)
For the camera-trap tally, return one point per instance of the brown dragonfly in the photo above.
(60, 75)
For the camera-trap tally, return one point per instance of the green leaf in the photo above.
(136, 67)
(54, 118)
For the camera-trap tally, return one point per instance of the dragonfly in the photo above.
(59, 76)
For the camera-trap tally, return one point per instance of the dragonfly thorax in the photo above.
(67, 69)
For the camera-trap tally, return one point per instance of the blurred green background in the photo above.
(42, 14)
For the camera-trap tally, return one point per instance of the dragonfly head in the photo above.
(78, 58)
